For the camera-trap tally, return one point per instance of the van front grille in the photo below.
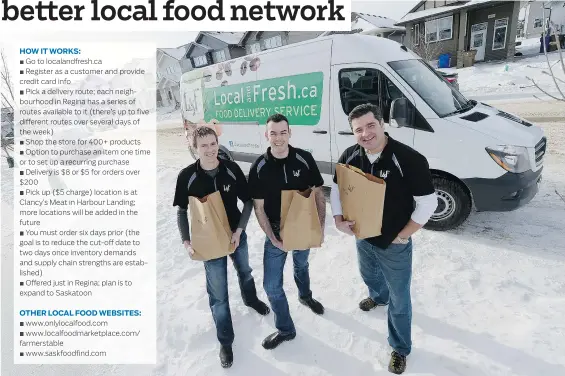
(540, 151)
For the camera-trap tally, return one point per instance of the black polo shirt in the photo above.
(230, 181)
(406, 173)
(269, 176)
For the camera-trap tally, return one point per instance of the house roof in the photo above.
(175, 53)
(378, 21)
(227, 37)
(427, 13)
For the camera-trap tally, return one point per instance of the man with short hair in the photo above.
(283, 167)
(385, 261)
(206, 176)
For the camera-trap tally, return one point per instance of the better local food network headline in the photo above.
(202, 15)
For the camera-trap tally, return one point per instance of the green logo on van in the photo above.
(298, 97)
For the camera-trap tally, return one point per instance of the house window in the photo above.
(255, 47)
(416, 34)
(440, 29)
(171, 69)
(273, 42)
(499, 37)
(537, 22)
(219, 56)
(200, 61)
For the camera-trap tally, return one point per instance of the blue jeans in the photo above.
(273, 262)
(388, 273)
(217, 287)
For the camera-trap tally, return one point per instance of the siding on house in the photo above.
(534, 12)
(286, 38)
(435, 49)
(500, 11)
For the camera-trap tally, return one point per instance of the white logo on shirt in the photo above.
(384, 174)
(296, 173)
(226, 188)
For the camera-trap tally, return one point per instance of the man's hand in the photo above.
(277, 243)
(188, 247)
(344, 226)
(235, 237)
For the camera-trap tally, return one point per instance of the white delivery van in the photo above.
(479, 156)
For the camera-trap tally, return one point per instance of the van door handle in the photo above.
(320, 132)
(344, 133)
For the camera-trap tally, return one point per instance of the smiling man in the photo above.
(283, 167)
(207, 175)
(385, 261)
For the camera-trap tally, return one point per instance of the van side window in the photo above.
(391, 92)
(358, 86)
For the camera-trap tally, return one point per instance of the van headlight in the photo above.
(511, 158)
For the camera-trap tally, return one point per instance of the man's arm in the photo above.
(422, 187)
(264, 223)
(321, 205)
(182, 223)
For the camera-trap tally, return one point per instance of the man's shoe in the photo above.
(369, 304)
(276, 339)
(260, 307)
(314, 305)
(397, 363)
(226, 356)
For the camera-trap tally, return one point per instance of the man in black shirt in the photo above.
(385, 261)
(283, 167)
(206, 176)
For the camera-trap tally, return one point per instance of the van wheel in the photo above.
(453, 205)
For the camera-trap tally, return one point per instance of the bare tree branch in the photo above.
(546, 93)
(558, 47)
(547, 57)
(427, 51)
(558, 79)
(6, 77)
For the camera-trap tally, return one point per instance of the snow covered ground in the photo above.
(502, 78)
(488, 298)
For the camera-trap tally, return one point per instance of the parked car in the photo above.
(452, 77)
(479, 156)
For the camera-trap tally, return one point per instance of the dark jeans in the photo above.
(388, 273)
(217, 287)
(273, 262)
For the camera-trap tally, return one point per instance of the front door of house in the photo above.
(479, 40)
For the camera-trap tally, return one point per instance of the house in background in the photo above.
(364, 23)
(213, 47)
(257, 41)
(168, 75)
(434, 28)
(533, 21)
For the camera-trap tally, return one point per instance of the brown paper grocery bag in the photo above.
(362, 200)
(210, 230)
(300, 225)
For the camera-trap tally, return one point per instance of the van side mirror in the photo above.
(401, 113)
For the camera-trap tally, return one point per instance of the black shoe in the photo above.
(276, 339)
(260, 307)
(369, 304)
(314, 305)
(226, 356)
(397, 363)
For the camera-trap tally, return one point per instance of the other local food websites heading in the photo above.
(177, 10)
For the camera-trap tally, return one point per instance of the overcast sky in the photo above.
(391, 9)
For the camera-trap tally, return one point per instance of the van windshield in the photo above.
(443, 98)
